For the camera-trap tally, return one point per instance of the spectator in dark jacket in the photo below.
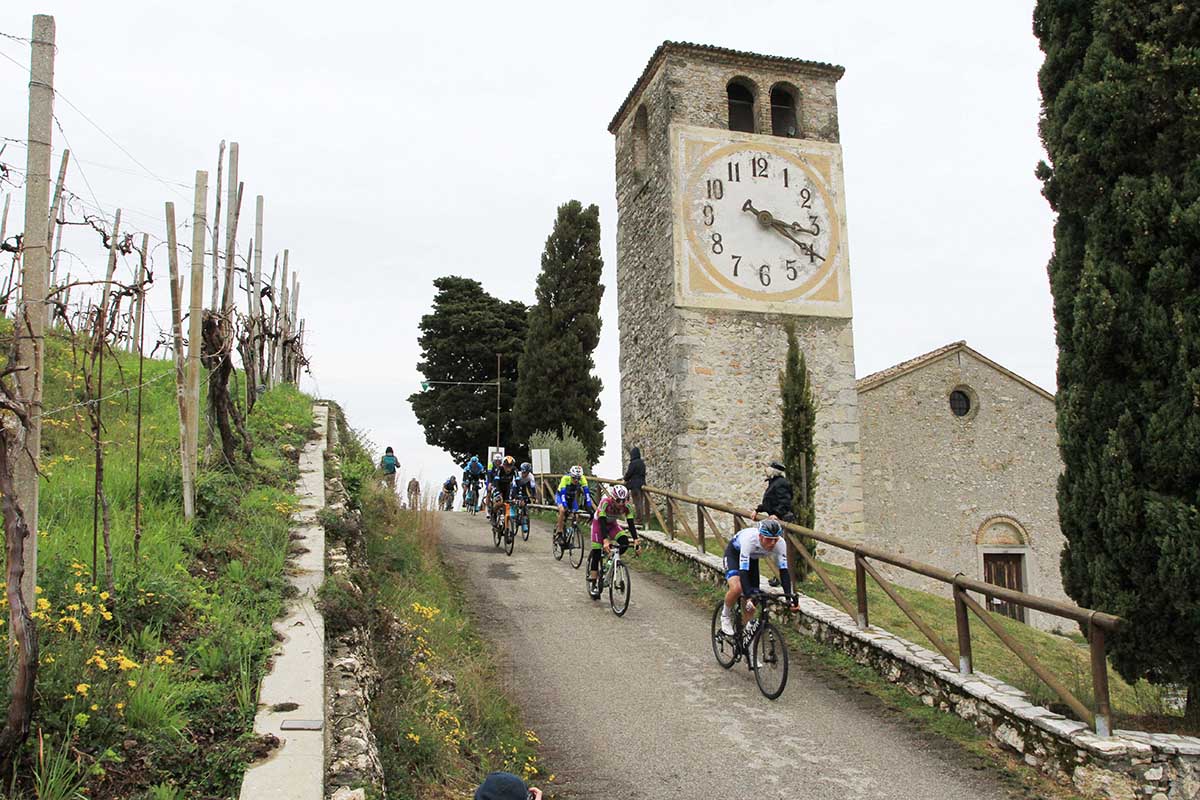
(777, 499)
(635, 479)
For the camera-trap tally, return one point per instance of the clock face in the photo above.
(761, 222)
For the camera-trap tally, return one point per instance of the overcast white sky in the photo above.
(397, 142)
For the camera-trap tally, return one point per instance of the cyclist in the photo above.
(572, 486)
(488, 476)
(522, 487)
(606, 529)
(741, 569)
(473, 472)
(449, 487)
(501, 485)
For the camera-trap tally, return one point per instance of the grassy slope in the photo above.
(442, 717)
(155, 683)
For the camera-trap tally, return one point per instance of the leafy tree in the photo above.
(459, 343)
(799, 449)
(1121, 124)
(565, 449)
(556, 387)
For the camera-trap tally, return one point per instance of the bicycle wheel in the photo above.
(524, 527)
(576, 545)
(770, 656)
(724, 647)
(556, 541)
(619, 589)
(510, 536)
(497, 531)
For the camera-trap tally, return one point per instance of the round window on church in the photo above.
(960, 402)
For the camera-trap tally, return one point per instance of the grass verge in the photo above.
(147, 684)
(441, 716)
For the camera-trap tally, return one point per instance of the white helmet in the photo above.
(620, 494)
(576, 472)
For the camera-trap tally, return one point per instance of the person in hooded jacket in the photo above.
(777, 499)
(635, 479)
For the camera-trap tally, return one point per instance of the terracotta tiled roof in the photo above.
(733, 55)
(877, 379)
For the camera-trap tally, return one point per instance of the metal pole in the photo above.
(35, 263)
(137, 468)
(497, 399)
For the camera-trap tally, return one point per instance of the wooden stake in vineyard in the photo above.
(181, 384)
(195, 319)
(21, 428)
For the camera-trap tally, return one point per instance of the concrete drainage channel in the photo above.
(1124, 766)
(292, 696)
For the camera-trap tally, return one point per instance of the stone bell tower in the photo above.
(731, 223)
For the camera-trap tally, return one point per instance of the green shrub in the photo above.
(565, 449)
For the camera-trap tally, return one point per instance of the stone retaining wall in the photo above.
(351, 674)
(1124, 766)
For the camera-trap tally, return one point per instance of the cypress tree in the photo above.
(556, 387)
(1121, 124)
(799, 449)
(460, 340)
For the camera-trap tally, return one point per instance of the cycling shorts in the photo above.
(733, 558)
(610, 530)
(569, 503)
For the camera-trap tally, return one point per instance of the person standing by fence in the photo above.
(635, 479)
(414, 493)
(777, 499)
(389, 464)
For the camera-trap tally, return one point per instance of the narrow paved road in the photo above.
(637, 707)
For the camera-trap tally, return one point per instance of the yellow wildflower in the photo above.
(79, 588)
(132, 684)
(82, 689)
(87, 609)
(412, 737)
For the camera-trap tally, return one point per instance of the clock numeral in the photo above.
(806, 198)
(737, 260)
(816, 228)
(716, 189)
(792, 272)
(717, 247)
(758, 167)
(764, 274)
(735, 172)
(812, 254)
(709, 217)
(785, 177)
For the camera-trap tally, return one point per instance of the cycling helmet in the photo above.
(474, 460)
(576, 472)
(526, 467)
(771, 528)
(509, 461)
(495, 458)
(620, 494)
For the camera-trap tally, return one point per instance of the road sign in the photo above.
(541, 461)
(492, 451)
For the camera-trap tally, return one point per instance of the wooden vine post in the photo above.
(189, 502)
(195, 318)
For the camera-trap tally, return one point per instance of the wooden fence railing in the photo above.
(674, 515)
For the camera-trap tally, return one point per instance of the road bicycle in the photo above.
(498, 515)
(767, 654)
(614, 576)
(522, 506)
(471, 499)
(570, 540)
(510, 529)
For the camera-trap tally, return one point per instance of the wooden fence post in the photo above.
(963, 623)
(860, 589)
(700, 527)
(31, 320)
(670, 517)
(1100, 679)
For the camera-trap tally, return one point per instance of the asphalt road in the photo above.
(637, 707)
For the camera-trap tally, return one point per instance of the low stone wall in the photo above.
(351, 674)
(1124, 766)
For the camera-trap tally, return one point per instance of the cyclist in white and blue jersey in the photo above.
(741, 567)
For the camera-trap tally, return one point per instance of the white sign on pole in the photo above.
(541, 462)
(493, 452)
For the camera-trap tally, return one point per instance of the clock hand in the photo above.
(767, 220)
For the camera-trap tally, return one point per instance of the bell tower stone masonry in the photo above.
(731, 223)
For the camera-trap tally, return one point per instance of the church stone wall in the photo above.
(699, 388)
(935, 480)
